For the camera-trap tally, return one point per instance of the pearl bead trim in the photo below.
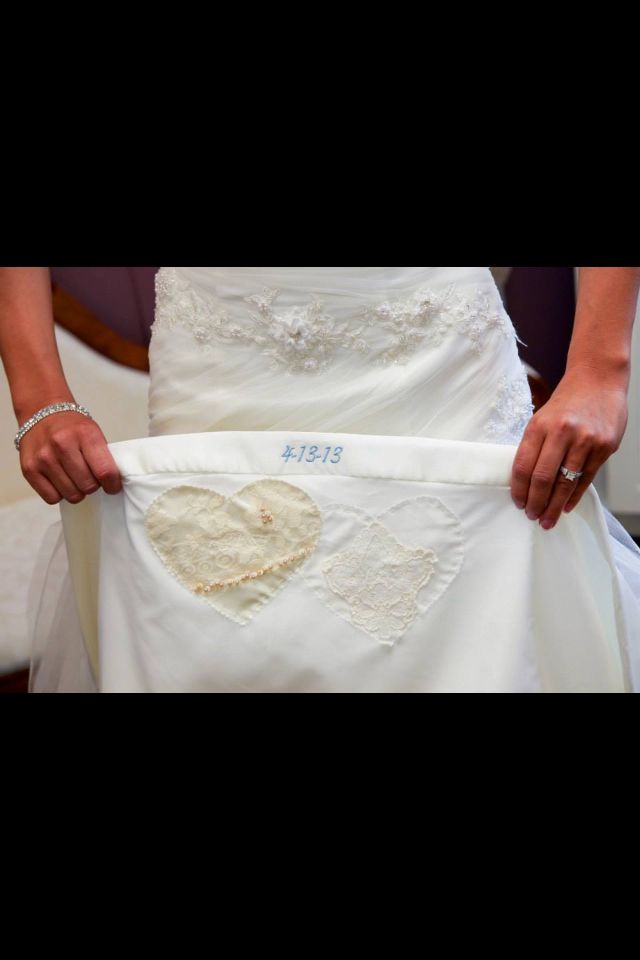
(234, 581)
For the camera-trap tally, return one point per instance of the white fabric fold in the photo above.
(526, 610)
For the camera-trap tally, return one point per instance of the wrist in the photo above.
(614, 371)
(24, 408)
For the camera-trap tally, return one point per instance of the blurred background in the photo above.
(103, 318)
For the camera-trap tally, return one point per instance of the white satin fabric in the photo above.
(444, 387)
(424, 576)
(508, 613)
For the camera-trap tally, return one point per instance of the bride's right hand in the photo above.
(65, 457)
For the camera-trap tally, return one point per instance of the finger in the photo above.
(40, 484)
(563, 488)
(591, 469)
(545, 474)
(524, 462)
(73, 462)
(101, 463)
(55, 473)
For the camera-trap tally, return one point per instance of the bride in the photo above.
(406, 375)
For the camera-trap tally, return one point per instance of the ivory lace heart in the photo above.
(234, 552)
(387, 570)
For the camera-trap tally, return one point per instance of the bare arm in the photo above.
(585, 420)
(27, 342)
(65, 455)
(603, 329)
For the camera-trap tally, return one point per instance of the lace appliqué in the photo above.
(429, 317)
(384, 571)
(380, 579)
(512, 409)
(235, 553)
(308, 339)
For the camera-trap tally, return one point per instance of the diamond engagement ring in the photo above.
(571, 474)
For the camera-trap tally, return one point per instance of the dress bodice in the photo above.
(304, 317)
(353, 349)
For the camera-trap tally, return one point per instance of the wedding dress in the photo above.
(323, 505)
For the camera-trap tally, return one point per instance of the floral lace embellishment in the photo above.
(380, 578)
(235, 553)
(308, 339)
(512, 410)
(302, 338)
(430, 316)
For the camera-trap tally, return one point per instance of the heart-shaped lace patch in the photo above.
(234, 552)
(389, 568)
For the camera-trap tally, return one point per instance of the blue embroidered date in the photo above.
(313, 454)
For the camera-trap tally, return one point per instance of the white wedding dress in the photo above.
(323, 505)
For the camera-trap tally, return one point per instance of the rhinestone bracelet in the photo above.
(45, 412)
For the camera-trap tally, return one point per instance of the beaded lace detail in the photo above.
(430, 316)
(234, 552)
(308, 339)
(511, 410)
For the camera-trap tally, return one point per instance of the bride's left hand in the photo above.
(580, 427)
